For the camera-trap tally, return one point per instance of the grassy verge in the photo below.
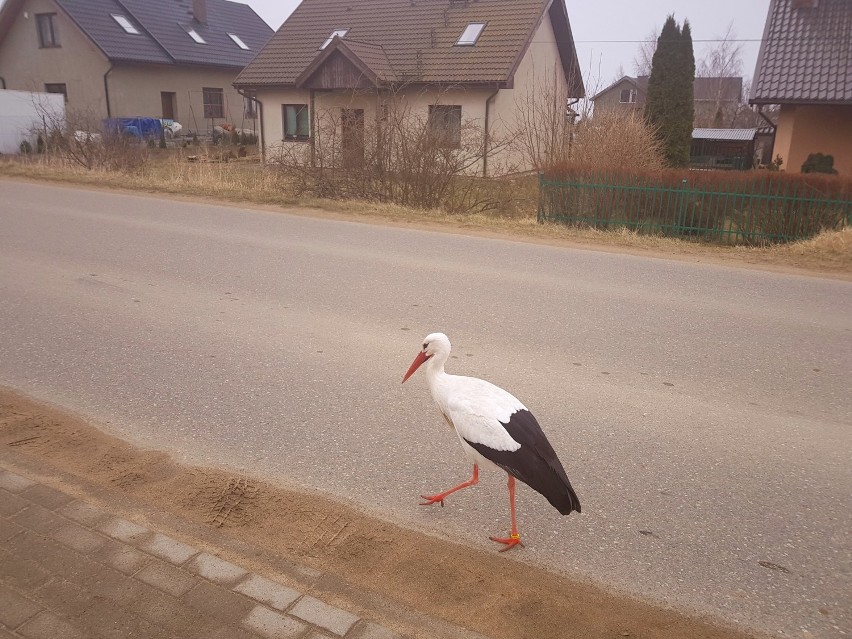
(249, 183)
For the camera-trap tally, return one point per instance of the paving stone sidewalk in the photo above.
(69, 570)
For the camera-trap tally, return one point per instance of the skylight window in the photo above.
(471, 34)
(337, 32)
(125, 23)
(193, 34)
(238, 41)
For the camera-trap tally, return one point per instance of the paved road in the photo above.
(703, 412)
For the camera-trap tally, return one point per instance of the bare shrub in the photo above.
(80, 140)
(399, 157)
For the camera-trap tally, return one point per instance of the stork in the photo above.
(494, 429)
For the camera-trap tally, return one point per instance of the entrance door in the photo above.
(353, 138)
(169, 100)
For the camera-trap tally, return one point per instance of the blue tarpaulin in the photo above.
(148, 128)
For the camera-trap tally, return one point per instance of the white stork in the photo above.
(494, 428)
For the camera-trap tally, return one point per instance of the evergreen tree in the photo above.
(669, 108)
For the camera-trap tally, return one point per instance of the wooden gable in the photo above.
(338, 72)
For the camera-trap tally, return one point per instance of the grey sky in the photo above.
(596, 24)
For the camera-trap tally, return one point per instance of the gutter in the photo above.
(487, 131)
(106, 90)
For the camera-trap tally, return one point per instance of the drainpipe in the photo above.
(3, 80)
(106, 91)
(312, 132)
(487, 130)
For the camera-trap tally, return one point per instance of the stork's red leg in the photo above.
(515, 538)
(439, 498)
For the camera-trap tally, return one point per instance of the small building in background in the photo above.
(732, 149)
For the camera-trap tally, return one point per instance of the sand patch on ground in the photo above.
(491, 593)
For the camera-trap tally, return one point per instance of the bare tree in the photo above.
(645, 56)
(721, 60)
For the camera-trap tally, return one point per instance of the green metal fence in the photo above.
(750, 211)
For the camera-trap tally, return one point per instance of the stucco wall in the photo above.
(610, 100)
(135, 90)
(77, 62)
(80, 65)
(803, 130)
(540, 69)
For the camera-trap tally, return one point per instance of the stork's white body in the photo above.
(495, 429)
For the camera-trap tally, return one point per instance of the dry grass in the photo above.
(251, 184)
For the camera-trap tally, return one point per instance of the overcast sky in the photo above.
(596, 24)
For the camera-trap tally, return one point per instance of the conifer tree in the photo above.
(669, 108)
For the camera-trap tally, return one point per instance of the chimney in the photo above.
(199, 10)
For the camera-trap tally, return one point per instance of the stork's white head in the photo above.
(435, 345)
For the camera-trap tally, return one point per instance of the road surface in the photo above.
(702, 412)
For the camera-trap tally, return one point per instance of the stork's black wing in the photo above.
(535, 463)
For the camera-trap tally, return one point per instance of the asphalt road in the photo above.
(702, 412)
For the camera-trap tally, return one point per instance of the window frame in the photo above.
(299, 109)
(474, 36)
(340, 33)
(48, 19)
(212, 107)
(193, 33)
(445, 122)
(125, 23)
(237, 40)
(48, 86)
(632, 95)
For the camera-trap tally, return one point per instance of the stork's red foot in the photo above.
(509, 542)
(433, 499)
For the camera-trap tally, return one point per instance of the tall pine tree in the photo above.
(669, 108)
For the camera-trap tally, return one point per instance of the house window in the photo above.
(47, 34)
(445, 124)
(238, 41)
(214, 102)
(125, 23)
(628, 96)
(57, 87)
(470, 34)
(340, 33)
(192, 33)
(297, 124)
(249, 105)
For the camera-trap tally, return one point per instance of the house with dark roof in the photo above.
(173, 59)
(805, 66)
(717, 100)
(337, 68)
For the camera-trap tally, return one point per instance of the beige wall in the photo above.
(807, 129)
(611, 99)
(135, 90)
(539, 71)
(77, 62)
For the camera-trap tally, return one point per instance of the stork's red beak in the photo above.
(421, 357)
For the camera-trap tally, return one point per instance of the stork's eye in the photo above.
(425, 345)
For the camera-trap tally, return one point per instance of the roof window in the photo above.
(193, 34)
(471, 34)
(125, 23)
(238, 41)
(340, 33)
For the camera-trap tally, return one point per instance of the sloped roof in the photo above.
(161, 38)
(723, 134)
(702, 88)
(806, 54)
(416, 40)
